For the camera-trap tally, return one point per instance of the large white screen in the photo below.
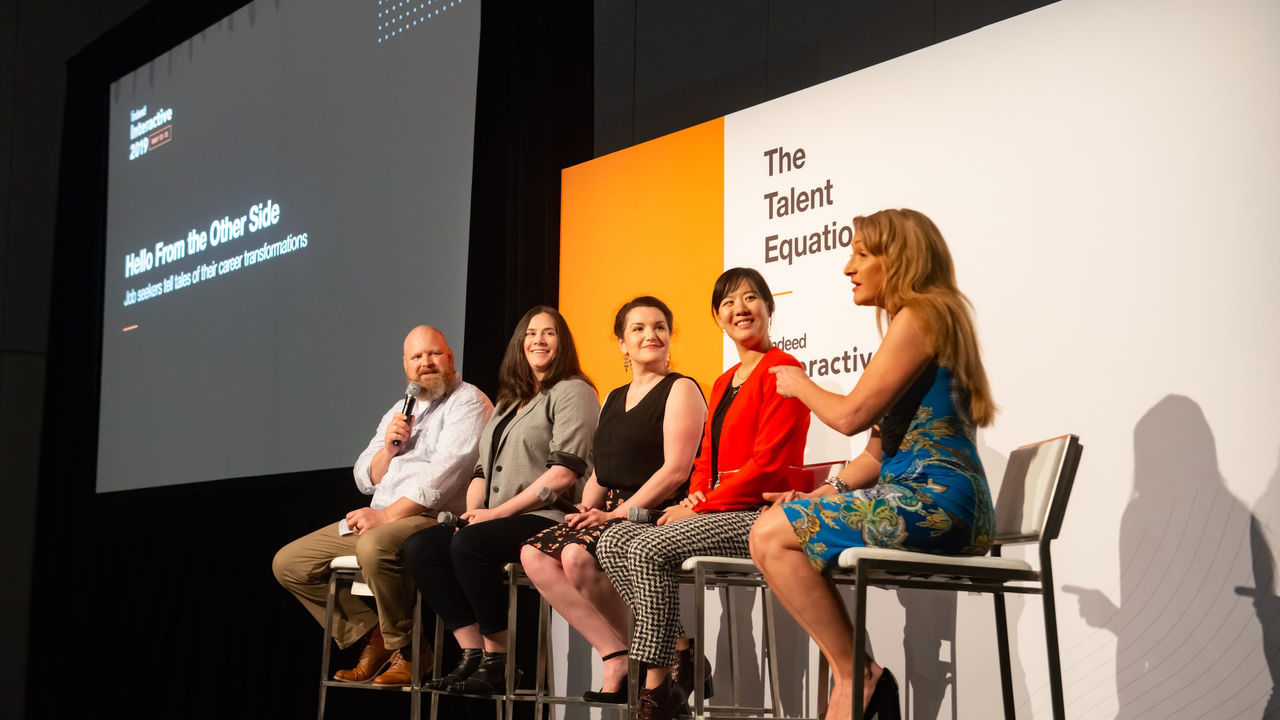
(288, 193)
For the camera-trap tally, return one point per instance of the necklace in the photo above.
(743, 372)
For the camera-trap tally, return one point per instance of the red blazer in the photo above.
(761, 441)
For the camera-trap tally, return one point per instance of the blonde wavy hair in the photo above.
(919, 274)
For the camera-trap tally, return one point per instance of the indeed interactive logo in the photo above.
(148, 133)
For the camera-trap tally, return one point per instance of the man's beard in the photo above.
(435, 385)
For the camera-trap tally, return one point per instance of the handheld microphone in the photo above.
(638, 514)
(410, 395)
(448, 519)
(549, 497)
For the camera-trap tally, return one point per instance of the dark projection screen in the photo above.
(288, 193)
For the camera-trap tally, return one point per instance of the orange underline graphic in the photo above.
(784, 292)
(131, 327)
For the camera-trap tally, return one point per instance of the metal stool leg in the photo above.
(542, 675)
(1051, 634)
(633, 668)
(415, 682)
(328, 640)
(735, 653)
(700, 636)
(771, 648)
(859, 641)
(1002, 645)
(437, 665)
(507, 707)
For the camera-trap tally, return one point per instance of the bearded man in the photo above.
(414, 467)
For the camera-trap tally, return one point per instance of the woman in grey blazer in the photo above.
(539, 437)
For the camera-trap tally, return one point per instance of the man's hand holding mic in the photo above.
(397, 433)
(398, 429)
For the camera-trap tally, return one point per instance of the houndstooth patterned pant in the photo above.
(643, 561)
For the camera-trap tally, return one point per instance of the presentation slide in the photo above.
(289, 192)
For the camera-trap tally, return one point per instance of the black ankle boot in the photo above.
(661, 703)
(490, 678)
(467, 664)
(682, 672)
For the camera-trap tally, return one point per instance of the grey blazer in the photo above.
(555, 428)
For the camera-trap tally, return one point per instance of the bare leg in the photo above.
(495, 643)
(656, 676)
(813, 602)
(579, 590)
(469, 637)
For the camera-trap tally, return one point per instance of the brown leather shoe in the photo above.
(373, 658)
(660, 703)
(400, 671)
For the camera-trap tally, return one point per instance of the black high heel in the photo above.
(883, 704)
(467, 664)
(618, 696)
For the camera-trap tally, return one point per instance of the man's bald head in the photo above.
(428, 361)
(424, 334)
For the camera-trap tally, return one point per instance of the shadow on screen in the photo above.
(1186, 644)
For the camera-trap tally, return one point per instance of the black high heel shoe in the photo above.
(467, 664)
(490, 678)
(883, 704)
(618, 696)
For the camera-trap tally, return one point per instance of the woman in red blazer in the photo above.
(753, 443)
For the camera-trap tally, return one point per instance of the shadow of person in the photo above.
(748, 674)
(1263, 592)
(795, 675)
(578, 661)
(1184, 639)
(928, 633)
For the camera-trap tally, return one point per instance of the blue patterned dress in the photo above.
(932, 495)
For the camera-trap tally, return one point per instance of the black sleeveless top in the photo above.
(628, 444)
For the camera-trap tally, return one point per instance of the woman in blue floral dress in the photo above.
(919, 484)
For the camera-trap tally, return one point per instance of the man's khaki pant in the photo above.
(302, 567)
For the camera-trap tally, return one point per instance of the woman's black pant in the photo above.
(461, 574)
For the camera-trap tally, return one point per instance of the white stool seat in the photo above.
(344, 562)
(712, 563)
(348, 562)
(849, 559)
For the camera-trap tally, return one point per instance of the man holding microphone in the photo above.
(418, 462)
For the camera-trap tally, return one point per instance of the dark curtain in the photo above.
(160, 602)
(533, 118)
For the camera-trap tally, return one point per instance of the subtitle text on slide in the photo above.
(260, 216)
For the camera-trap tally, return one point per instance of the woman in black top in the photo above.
(644, 447)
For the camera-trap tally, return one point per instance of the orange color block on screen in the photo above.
(647, 220)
